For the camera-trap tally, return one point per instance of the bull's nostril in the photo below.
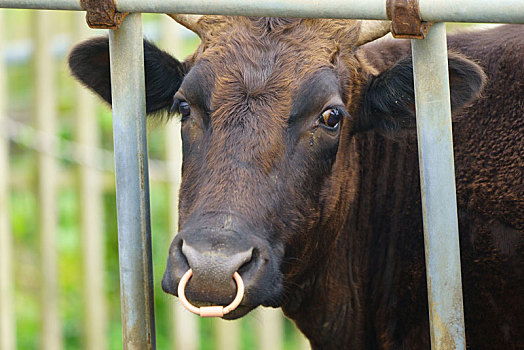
(249, 264)
(176, 266)
(181, 256)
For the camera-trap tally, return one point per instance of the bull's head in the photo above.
(269, 109)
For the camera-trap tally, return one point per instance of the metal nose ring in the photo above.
(210, 311)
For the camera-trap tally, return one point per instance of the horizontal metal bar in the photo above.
(42, 4)
(483, 11)
(370, 9)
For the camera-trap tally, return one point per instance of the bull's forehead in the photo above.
(249, 93)
(217, 30)
(245, 74)
(256, 65)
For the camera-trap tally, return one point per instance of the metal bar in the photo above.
(45, 116)
(507, 11)
(437, 177)
(90, 208)
(277, 8)
(132, 184)
(489, 11)
(7, 314)
(42, 4)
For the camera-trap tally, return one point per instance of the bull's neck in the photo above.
(343, 305)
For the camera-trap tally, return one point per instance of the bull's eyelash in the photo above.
(174, 107)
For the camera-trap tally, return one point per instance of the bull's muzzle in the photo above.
(217, 260)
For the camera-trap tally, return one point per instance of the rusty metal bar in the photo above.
(437, 176)
(132, 184)
(102, 14)
(406, 22)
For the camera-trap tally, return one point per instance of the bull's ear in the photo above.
(89, 63)
(389, 100)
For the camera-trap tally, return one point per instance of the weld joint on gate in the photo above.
(406, 22)
(102, 14)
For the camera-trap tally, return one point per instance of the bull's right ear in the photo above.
(89, 63)
(388, 103)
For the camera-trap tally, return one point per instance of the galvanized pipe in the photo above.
(437, 177)
(132, 184)
(506, 11)
(275, 8)
(42, 4)
(489, 11)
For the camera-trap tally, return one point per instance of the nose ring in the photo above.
(210, 311)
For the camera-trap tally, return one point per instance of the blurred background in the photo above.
(59, 278)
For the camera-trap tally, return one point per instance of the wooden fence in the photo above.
(91, 185)
(7, 319)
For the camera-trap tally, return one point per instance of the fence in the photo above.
(433, 127)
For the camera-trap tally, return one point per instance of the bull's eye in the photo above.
(181, 107)
(184, 109)
(330, 118)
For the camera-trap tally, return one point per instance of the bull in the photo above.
(300, 172)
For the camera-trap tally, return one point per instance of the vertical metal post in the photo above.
(7, 314)
(90, 208)
(132, 184)
(45, 116)
(437, 176)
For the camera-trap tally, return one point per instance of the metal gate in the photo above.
(433, 129)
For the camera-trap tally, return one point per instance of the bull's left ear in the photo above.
(388, 102)
(89, 63)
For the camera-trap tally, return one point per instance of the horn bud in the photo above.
(188, 21)
(371, 30)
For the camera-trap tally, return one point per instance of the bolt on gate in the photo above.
(410, 19)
